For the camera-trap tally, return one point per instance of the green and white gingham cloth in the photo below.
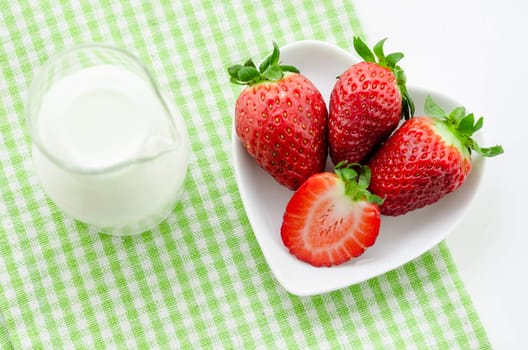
(199, 280)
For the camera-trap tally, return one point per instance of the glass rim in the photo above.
(36, 139)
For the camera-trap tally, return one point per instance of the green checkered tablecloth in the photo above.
(199, 280)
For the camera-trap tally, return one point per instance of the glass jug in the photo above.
(107, 146)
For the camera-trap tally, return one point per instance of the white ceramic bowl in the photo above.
(400, 240)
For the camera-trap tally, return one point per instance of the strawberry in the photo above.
(366, 104)
(425, 159)
(281, 119)
(332, 218)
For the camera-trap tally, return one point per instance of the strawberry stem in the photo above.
(462, 126)
(269, 69)
(389, 61)
(357, 179)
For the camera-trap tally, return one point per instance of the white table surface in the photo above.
(477, 53)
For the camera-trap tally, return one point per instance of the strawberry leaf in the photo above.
(432, 109)
(233, 70)
(347, 173)
(235, 80)
(378, 51)
(372, 198)
(478, 125)
(271, 60)
(465, 126)
(407, 102)
(485, 151)
(248, 73)
(357, 179)
(457, 114)
(461, 126)
(393, 58)
(491, 151)
(286, 68)
(250, 63)
(363, 50)
(268, 70)
(273, 73)
(364, 177)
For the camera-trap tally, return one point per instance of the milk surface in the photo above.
(105, 127)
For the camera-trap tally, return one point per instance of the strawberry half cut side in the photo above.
(332, 217)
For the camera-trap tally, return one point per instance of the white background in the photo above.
(477, 53)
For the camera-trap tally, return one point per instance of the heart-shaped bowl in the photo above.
(400, 239)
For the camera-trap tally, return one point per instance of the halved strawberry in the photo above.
(332, 218)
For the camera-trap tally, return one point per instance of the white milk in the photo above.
(102, 118)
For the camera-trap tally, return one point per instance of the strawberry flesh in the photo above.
(324, 227)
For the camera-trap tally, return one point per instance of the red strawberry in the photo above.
(332, 218)
(425, 159)
(281, 119)
(366, 104)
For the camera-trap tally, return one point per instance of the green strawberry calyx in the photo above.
(269, 69)
(389, 61)
(462, 126)
(357, 179)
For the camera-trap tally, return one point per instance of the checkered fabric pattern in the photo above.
(198, 280)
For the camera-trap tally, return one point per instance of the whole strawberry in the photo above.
(425, 159)
(281, 119)
(366, 104)
(332, 218)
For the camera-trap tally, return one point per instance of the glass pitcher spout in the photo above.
(165, 134)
